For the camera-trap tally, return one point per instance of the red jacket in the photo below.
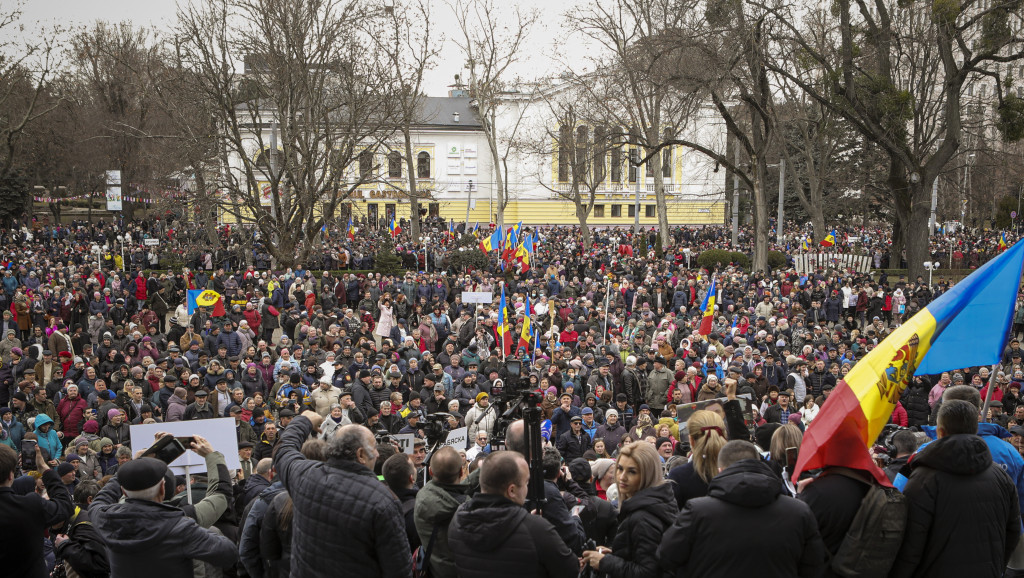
(899, 415)
(140, 288)
(72, 416)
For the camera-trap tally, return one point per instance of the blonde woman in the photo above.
(787, 437)
(646, 509)
(706, 431)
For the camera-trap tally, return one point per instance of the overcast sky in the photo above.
(546, 38)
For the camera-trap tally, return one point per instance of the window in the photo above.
(617, 165)
(981, 90)
(632, 211)
(263, 160)
(365, 164)
(600, 148)
(616, 210)
(435, 209)
(599, 211)
(395, 165)
(564, 153)
(423, 165)
(582, 146)
(666, 156)
(649, 210)
(634, 158)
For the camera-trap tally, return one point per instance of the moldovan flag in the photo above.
(524, 336)
(1002, 242)
(492, 242)
(708, 309)
(209, 298)
(829, 239)
(503, 331)
(967, 326)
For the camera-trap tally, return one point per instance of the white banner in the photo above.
(150, 242)
(406, 441)
(113, 190)
(457, 438)
(810, 262)
(485, 297)
(220, 432)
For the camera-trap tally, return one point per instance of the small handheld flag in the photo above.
(708, 309)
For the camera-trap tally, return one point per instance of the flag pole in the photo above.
(503, 317)
(607, 296)
(988, 394)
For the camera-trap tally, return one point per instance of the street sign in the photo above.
(1013, 214)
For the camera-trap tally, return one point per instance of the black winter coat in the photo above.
(643, 520)
(493, 537)
(915, 401)
(963, 517)
(746, 495)
(361, 529)
(23, 519)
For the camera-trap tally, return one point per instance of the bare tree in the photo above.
(302, 124)
(492, 42)
(635, 79)
(26, 69)
(406, 39)
(584, 149)
(897, 73)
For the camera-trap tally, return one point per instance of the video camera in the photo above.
(434, 427)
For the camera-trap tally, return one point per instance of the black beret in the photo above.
(141, 473)
(242, 445)
(202, 393)
(286, 413)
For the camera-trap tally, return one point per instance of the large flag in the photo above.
(351, 232)
(708, 310)
(805, 245)
(508, 250)
(196, 298)
(524, 253)
(829, 239)
(394, 227)
(527, 333)
(492, 242)
(967, 326)
(1002, 242)
(503, 330)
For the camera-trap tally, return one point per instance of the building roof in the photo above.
(440, 111)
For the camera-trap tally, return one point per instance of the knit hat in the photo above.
(481, 395)
(552, 390)
(64, 469)
(611, 412)
(112, 413)
(659, 441)
(92, 426)
(600, 467)
(72, 457)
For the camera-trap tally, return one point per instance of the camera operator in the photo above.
(23, 519)
(568, 526)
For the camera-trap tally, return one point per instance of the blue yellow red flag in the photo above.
(524, 336)
(829, 239)
(1002, 242)
(967, 326)
(708, 309)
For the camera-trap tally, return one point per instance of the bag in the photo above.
(421, 557)
(876, 533)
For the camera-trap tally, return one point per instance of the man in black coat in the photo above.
(957, 495)
(575, 442)
(745, 494)
(344, 518)
(493, 535)
(24, 517)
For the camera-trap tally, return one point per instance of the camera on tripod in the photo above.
(434, 427)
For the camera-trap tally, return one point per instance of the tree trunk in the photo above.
(583, 214)
(818, 220)
(760, 261)
(414, 204)
(659, 196)
(916, 234)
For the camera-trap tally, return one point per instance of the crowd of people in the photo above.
(324, 372)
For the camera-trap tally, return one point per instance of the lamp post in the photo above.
(931, 266)
(686, 252)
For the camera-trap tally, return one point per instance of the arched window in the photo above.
(395, 165)
(423, 165)
(564, 152)
(365, 164)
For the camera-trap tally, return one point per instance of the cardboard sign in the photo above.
(406, 441)
(457, 438)
(485, 297)
(219, 432)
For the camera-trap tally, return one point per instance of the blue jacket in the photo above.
(49, 440)
(1002, 452)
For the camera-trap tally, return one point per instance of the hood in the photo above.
(657, 501)
(487, 521)
(175, 400)
(962, 454)
(747, 483)
(993, 429)
(138, 524)
(41, 420)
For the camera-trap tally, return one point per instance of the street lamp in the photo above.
(686, 252)
(931, 266)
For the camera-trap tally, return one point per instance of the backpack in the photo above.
(876, 533)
